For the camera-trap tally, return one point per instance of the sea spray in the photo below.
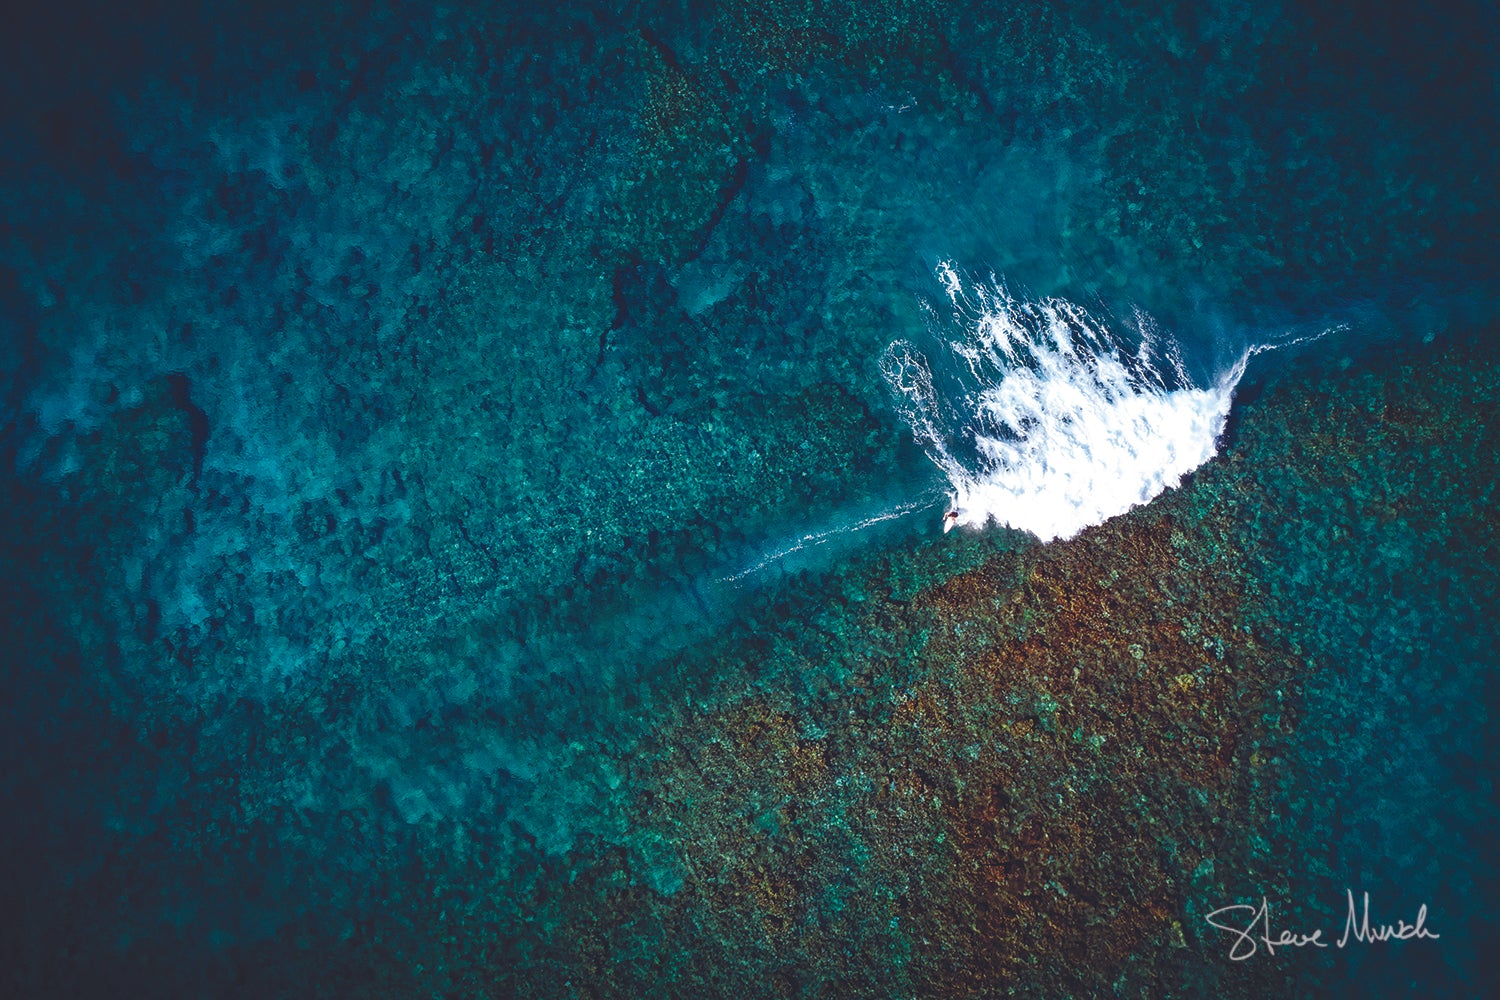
(1044, 419)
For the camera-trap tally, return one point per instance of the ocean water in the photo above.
(478, 478)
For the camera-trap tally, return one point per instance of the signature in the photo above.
(1357, 928)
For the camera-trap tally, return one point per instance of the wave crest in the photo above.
(1045, 420)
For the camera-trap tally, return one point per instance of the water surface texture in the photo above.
(757, 499)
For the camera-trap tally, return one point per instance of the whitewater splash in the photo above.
(1051, 424)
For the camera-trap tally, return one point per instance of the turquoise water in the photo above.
(464, 536)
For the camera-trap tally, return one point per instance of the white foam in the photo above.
(1061, 426)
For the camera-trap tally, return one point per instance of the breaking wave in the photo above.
(1044, 419)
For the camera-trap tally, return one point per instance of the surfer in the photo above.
(950, 521)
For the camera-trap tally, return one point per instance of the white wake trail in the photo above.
(813, 539)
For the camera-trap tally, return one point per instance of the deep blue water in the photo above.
(399, 404)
